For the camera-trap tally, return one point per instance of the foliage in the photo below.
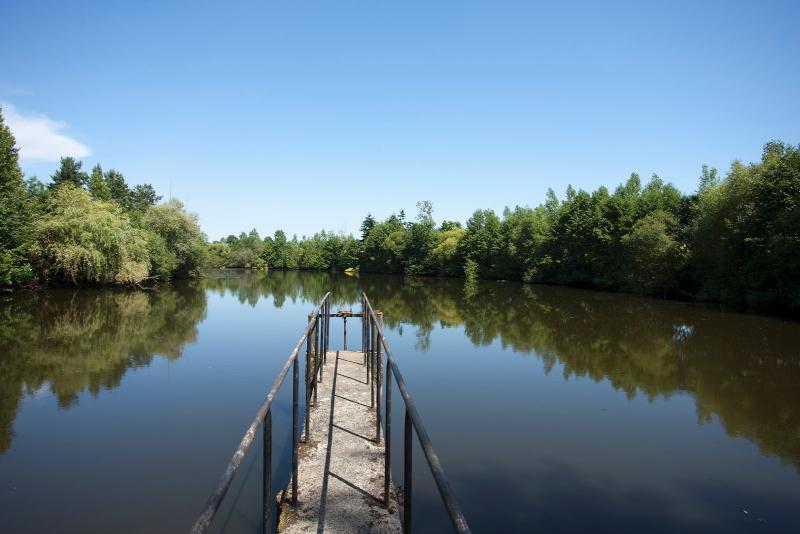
(656, 257)
(746, 244)
(85, 240)
(15, 214)
(183, 239)
(93, 228)
(736, 240)
(69, 173)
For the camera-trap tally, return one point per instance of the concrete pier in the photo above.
(341, 466)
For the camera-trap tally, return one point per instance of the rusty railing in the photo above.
(374, 344)
(316, 338)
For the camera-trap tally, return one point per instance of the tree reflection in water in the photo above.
(742, 368)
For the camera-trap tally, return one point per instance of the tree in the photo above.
(69, 173)
(142, 197)
(120, 192)
(445, 254)
(481, 242)
(656, 256)
(367, 225)
(383, 248)
(181, 234)
(420, 242)
(97, 185)
(746, 244)
(449, 225)
(15, 215)
(86, 240)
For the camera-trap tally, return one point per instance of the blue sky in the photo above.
(307, 115)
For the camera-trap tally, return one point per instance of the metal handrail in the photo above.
(412, 419)
(320, 329)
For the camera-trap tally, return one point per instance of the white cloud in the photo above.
(39, 137)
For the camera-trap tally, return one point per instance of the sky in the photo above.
(307, 115)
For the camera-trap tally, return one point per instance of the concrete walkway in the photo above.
(340, 467)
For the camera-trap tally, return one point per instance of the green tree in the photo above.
(384, 247)
(421, 239)
(656, 256)
(747, 231)
(97, 185)
(85, 240)
(445, 254)
(142, 197)
(481, 242)
(367, 225)
(69, 172)
(15, 214)
(181, 234)
(120, 192)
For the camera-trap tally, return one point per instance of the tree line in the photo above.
(89, 227)
(736, 239)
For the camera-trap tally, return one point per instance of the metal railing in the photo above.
(316, 338)
(374, 343)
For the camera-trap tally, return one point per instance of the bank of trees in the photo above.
(89, 228)
(322, 251)
(736, 239)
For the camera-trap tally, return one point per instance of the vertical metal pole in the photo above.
(325, 332)
(374, 358)
(387, 458)
(374, 345)
(327, 324)
(345, 333)
(363, 319)
(369, 348)
(407, 475)
(315, 348)
(318, 344)
(379, 362)
(267, 463)
(308, 383)
(295, 387)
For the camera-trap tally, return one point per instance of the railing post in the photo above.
(407, 463)
(387, 458)
(344, 342)
(295, 388)
(375, 365)
(267, 475)
(318, 353)
(368, 355)
(378, 390)
(363, 328)
(308, 382)
(322, 339)
(327, 325)
(372, 367)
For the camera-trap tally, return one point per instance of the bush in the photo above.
(83, 240)
(181, 234)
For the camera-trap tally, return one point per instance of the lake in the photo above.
(552, 409)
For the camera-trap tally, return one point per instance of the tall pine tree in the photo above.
(69, 173)
(14, 212)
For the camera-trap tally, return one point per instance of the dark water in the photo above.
(553, 410)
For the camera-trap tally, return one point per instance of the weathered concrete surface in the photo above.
(340, 473)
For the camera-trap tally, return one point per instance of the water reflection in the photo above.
(70, 341)
(743, 369)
